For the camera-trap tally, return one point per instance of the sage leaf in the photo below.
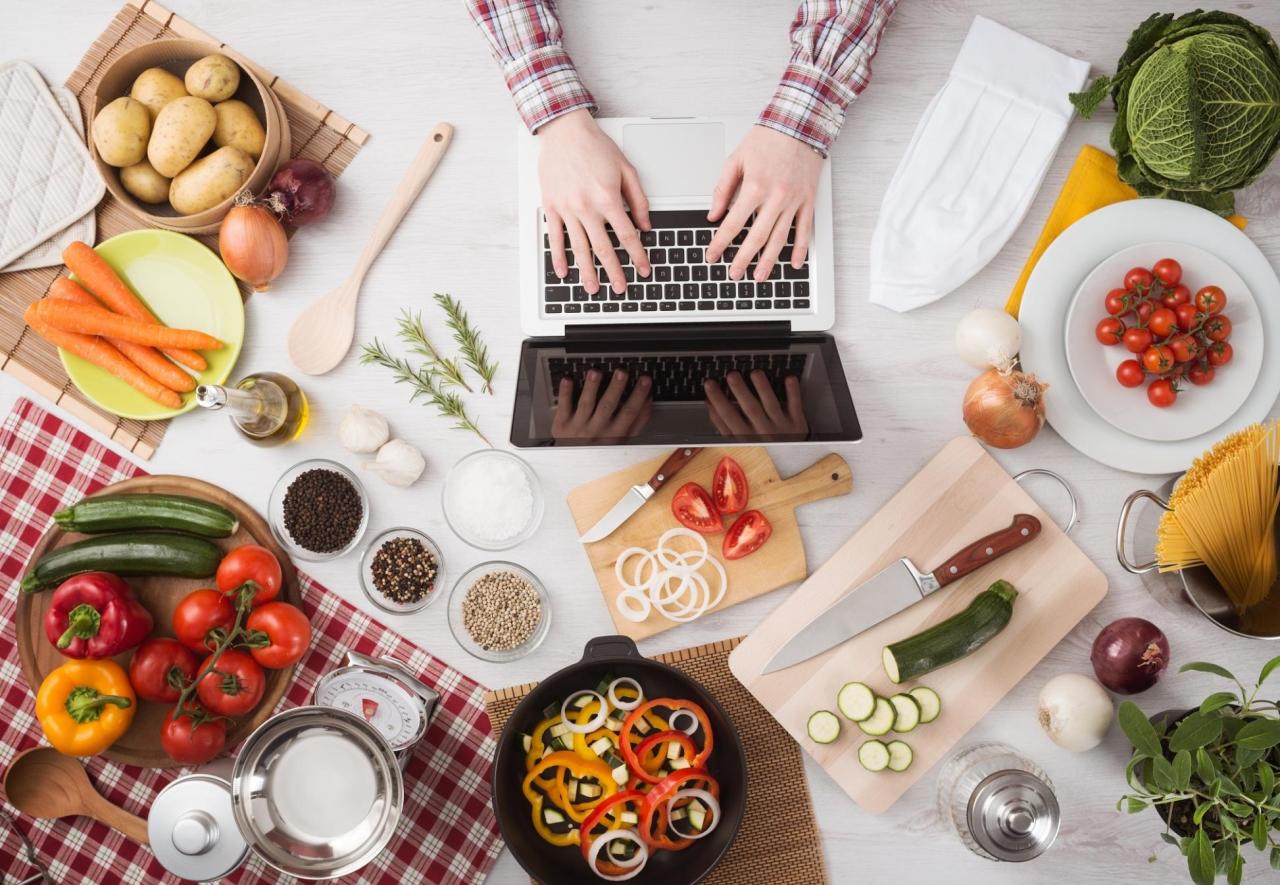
(1134, 805)
(1267, 669)
(1275, 858)
(1260, 734)
(1138, 729)
(1205, 769)
(1197, 730)
(1260, 832)
(1266, 779)
(1218, 700)
(1201, 864)
(1201, 810)
(1162, 773)
(1235, 870)
(1182, 767)
(1206, 667)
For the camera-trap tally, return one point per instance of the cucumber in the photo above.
(900, 756)
(906, 713)
(873, 755)
(856, 701)
(142, 553)
(930, 703)
(823, 727)
(880, 721)
(131, 512)
(949, 641)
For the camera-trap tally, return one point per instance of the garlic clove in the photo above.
(398, 463)
(363, 430)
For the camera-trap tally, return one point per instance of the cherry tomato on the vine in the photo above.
(1129, 373)
(1138, 279)
(199, 612)
(1217, 328)
(189, 741)
(1183, 347)
(283, 632)
(1220, 353)
(1136, 340)
(1211, 300)
(1162, 393)
(234, 686)
(1201, 374)
(1187, 315)
(1109, 331)
(1117, 302)
(1162, 322)
(1158, 359)
(251, 563)
(1175, 295)
(1168, 271)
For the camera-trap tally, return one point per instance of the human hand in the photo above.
(757, 413)
(776, 177)
(584, 179)
(600, 418)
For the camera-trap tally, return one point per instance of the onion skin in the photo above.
(1129, 655)
(301, 191)
(1004, 409)
(253, 244)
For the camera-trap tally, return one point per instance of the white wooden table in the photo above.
(398, 67)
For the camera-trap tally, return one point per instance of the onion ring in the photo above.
(671, 721)
(632, 866)
(621, 704)
(678, 532)
(634, 613)
(626, 555)
(710, 801)
(597, 721)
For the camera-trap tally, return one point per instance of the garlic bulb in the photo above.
(363, 430)
(399, 463)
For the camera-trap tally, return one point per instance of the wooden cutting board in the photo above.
(959, 496)
(778, 563)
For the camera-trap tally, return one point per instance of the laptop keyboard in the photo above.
(678, 377)
(681, 280)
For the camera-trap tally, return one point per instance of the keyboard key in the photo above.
(657, 256)
(649, 306)
(610, 307)
(653, 292)
(630, 306)
(693, 256)
(801, 290)
(690, 290)
(765, 290)
(709, 290)
(724, 305)
(603, 293)
(802, 304)
(648, 238)
(775, 272)
(728, 290)
(781, 305)
(680, 273)
(792, 274)
(554, 308)
(671, 291)
(675, 256)
(667, 305)
(784, 257)
(706, 305)
(719, 272)
(691, 218)
(762, 304)
(684, 237)
(730, 254)
(556, 293)
(613, 237)
(699, 272)
(782, 290)
(746, 289)
(635, 292)
(630, 273)
(573, 308)
(702, 237)
(742, 235)
(580, 294)
(624, 257)
(573, 275)
(666, 238)
(686, 305)
(591, 307)
(743, 305)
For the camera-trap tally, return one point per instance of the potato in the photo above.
(156, 87)
(121, 130)
(238, 126)
(210, 180)
(180, 133)
(213, 78)
(144, 182)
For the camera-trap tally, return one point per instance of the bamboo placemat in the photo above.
(317, 133)
(779, 841)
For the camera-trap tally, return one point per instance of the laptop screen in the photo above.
(701, 386)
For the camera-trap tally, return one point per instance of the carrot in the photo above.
(148, 359)
(100, 279)
(102, 354)
(97, 321)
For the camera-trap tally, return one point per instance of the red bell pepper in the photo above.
(96, 615)
(626, 738)
(654, 808)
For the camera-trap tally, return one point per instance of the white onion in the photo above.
(987, 338)
(626, 555)
(642, 852)
(710, 801)
(674, 584)
(1075, 712)
(596, 721)
(693, 721)
(621, 704)
(672, 534)
(635, 613)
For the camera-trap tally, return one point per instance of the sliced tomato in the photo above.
(695, 509)
(747, 535)
(729, 488)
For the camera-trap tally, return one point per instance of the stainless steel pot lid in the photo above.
(192, 829)
(316, 792)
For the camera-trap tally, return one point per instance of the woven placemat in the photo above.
(317, 134)
(778, 842)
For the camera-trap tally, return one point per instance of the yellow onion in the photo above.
(1005, 409)
(253, 243)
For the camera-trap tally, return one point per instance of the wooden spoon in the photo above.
(321, 335)
(44, 783)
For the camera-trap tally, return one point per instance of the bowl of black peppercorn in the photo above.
(401, 570)
(318, 510)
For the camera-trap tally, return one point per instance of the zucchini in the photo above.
(906, 713)
(900, 756)
(142, 553)
(600, 746)
(959, 635)
(930, 703)
(132, 513)
(824, 727)
(880, 721)
(526, 741)
(697, 815)
(873, 755)
(856, 701)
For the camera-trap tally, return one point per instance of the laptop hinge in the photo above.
(677, 331)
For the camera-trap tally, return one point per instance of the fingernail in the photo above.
(644, 382)
(619, 375)
(593, 374)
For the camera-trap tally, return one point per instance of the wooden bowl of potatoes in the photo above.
(179, 128)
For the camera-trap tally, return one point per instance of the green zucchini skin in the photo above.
(131, 513)
(958, 636)
(143, 553)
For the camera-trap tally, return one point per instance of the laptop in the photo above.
(726, 361)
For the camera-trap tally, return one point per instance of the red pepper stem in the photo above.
(83, 622)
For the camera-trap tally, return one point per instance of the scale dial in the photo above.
(391, 708)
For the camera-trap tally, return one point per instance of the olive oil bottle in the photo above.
(268, 408)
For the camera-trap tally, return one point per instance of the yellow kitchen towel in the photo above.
(1091, 184)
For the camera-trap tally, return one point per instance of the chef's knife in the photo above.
(898, 586)
(635, 497)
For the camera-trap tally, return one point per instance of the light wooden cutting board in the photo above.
(959, 496)
(778, 563)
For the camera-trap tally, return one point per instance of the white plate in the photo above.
(1198, 409)
(1057, 276)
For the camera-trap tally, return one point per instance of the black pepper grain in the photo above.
(322, 510)
(404, 571)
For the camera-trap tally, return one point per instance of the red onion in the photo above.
(1129, 655)
(301, 191)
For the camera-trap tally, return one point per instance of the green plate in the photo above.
(187, 287)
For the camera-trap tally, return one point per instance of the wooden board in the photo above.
(778, 563)
(960, 495)
(140, 745)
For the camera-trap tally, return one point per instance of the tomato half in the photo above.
(1162, 393)
(1137, 340)
(1168, 271)
(1211, 300)
(1129, 373)
(1138, 279)
(160, 668)
(747, 535)
(192, 738)
(729, 489)
(199, 613)
(251, 564)
(279, 635)
(234, 686)
(695, 509)
(1109, 331)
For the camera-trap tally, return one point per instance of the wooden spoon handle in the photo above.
(117, 818)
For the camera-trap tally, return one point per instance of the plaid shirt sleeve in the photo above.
(524, 36)
(833, 42)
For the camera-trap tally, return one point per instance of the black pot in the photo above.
(618, 655)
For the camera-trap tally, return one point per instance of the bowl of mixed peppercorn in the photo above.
(401, 570)
(318, 510)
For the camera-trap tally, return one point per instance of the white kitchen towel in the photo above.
(973, 165)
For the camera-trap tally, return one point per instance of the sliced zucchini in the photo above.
(551, 711)
(856, 701)
(572, 792)
(614, 725)
(602, 745)
(697, 815)
(873, 755)
(582, 700)
(900, 756)
(675, 751)
(824, 727)
(621, 774)
(562, 742)
(642, 725)
(558, 730)
(677, 764)
(589, 791)
(881, 719)
(526, 741)
(906, 713)
(602, 687)
(930, 703)
(630, 818)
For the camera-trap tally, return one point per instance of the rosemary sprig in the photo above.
(474, 352)
(425, 383)
(414, 333)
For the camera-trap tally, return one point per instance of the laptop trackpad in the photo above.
(675, 159)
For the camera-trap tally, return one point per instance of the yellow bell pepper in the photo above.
(576, 766)
(84, 706)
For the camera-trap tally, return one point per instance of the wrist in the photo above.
(574, 122)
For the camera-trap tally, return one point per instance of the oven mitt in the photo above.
(973, 165)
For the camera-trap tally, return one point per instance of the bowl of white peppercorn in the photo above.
(499, 611)
(401, 570)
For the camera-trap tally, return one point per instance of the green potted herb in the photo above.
(1212, 773)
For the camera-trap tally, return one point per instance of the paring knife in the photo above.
(898, 586)
(635, 497)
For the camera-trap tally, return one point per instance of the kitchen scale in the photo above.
(384, 693)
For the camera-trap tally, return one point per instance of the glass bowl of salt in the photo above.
(492, 500)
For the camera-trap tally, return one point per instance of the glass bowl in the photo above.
(451, 481)
(459, 630)
(374, 595)
(275, 510)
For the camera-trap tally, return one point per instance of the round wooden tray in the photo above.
(140, 745)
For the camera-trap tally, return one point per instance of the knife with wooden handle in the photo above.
(635, 497)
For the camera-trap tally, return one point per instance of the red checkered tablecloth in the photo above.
(447, 833)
